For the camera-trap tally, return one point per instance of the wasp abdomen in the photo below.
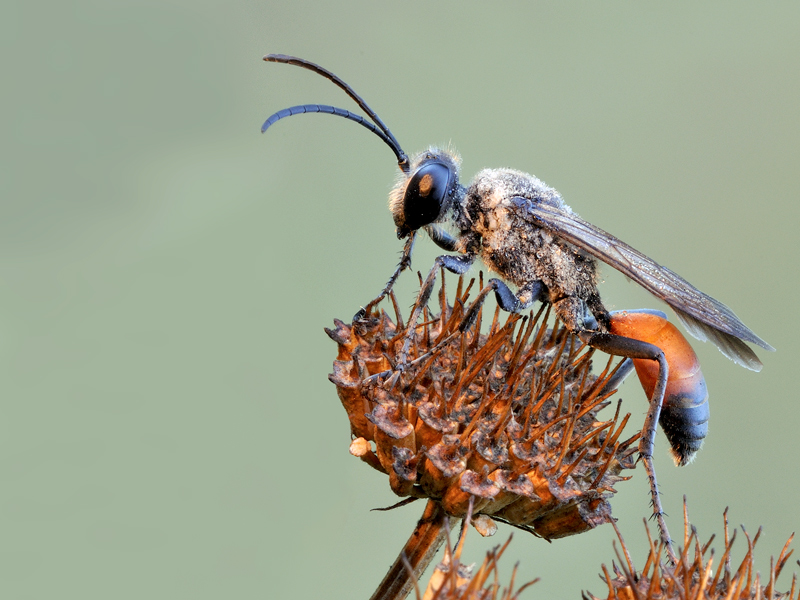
(685, 411)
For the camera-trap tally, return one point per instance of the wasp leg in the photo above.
(405, 263)
(625, 369)
(459, 264)
(630, 348)
(506, 299)
(510, 302)
(598, 311)
(455, 264)
(627, 365)
(441, 238)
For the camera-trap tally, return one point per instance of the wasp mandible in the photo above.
(524, 231)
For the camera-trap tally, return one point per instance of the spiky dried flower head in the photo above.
(509, 417)
(695, 576)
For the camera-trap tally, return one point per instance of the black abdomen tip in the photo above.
(685, 427)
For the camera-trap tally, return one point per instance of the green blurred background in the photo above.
(167, 426)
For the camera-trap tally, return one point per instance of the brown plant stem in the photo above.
(416, 555)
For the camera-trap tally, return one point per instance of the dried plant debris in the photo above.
(454, 580)
(509, 416)
(697, 575)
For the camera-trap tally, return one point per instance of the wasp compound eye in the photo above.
(425, 195)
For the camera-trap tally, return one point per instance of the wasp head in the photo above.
(425, 194)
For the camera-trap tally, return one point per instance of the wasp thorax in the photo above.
(508, 417)
(422, 196)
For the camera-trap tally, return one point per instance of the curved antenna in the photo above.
(339, 112)
(388, 137)
(299, 62)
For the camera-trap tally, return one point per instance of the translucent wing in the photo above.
(703, 316)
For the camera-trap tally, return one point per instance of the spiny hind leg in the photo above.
(630, 348)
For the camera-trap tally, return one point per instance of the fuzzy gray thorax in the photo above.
(500, 230)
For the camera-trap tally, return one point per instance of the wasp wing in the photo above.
(703, 316)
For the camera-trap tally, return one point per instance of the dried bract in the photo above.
(697, 575)
(454, 580)
(509, 417)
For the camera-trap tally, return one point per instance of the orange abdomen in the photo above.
(685, 411)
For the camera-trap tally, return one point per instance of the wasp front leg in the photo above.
(460, 264)
(405, 263)
(439, 236)
(455, 264)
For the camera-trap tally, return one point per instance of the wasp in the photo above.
(524, 231)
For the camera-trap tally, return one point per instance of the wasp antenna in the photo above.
(388, 136)
(339, 112)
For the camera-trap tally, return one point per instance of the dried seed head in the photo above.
(509, 417)
(697, 574)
